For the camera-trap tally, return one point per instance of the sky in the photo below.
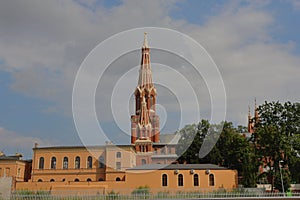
(254, 44)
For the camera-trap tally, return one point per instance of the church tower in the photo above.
(145, 122)
(253, 121)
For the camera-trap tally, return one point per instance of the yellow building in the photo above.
(158, 177)
(15, 167)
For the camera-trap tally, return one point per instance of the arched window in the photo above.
(63, 180)
(164, 180)
(40, 180)
(196, 180)
(65, 163)
(77, 162)
(144, 162)
(118, 179)
(211, 180)
(137, 102)
(151, 102)
(53, 163)
(180, 180)
(118, 154)
(90, 162)
(88, 180)
(76, 180)
(101, 162)
(51, 180)
(41, 163)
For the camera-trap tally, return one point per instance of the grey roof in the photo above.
(164, 156)
(3, 157)
(177, 166)
(172, 138)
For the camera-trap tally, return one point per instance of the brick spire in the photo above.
(145, 76)
(145, 122)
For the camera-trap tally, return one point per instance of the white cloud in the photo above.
(12, 142)
(43, 44)
(295, 4)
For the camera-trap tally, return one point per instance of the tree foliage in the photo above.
(231, 150)
(276, 139)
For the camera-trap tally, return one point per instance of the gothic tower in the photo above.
(145, 122)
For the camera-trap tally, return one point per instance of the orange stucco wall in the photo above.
(14, 168)
(132, 179)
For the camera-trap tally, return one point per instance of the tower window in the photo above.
(196, 180)
(65, 163)
(41, 163)
(77, 162)
(180, 180)
(211, 180)
(118, 155)
(163, 151)
(90, 162)
(101, 162)
(53, 163)
(144, 162)
(164, 180)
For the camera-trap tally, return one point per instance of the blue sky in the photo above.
(256, 45)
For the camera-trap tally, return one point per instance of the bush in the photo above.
(142, 191)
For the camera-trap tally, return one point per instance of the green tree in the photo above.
(190, 142)
(231, 149)
(276, 138)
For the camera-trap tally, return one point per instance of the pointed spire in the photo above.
(145, 45)
(249, 121)
(249, 114)
(145, 77)
(256, 115)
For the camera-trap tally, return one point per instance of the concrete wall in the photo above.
(5, 187)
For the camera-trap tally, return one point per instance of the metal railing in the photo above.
(149, 194)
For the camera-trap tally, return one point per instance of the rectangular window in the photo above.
(7, 172)
(118, 165)
(19, 172)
